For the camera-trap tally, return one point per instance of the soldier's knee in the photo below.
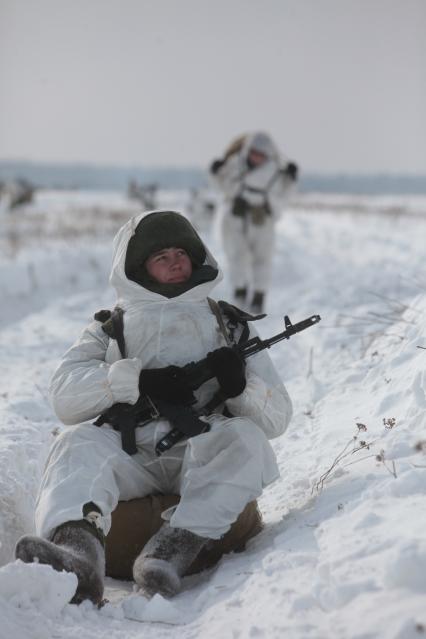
(247, 430)
(81, 433)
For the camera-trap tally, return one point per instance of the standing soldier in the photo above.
(255, 181)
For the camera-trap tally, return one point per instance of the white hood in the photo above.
(263, 143)
(129, 291)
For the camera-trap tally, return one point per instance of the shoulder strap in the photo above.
(235, 316)
(215, 309)
(113, 326)
(272, 180)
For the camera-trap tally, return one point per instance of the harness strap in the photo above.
(237, 317)
(264, 192)
(215, 309)
(234, 317)
(113, 325)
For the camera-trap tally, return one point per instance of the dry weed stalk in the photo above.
(381, 458)
(358, 445)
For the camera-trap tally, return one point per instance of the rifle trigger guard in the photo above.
(155, 413)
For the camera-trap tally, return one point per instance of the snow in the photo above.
(343, 551)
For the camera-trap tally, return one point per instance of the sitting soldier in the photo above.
(163, 273)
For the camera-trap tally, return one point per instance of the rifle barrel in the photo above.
(256, 345)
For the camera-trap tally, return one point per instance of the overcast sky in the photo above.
(340, 84)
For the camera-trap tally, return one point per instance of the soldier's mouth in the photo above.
(177, 279)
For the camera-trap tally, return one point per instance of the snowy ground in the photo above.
(343, 552)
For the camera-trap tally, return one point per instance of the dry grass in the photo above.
(21, 230)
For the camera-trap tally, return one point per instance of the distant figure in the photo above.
(15, 193)
(146, 194)
(201, 209)
(255, 181)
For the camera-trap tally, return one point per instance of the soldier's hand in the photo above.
(229, 368)
(167, 384)
(216, 165)
(292, 170)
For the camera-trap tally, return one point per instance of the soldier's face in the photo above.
(169, 266)
(256, 158)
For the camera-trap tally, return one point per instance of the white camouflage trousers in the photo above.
(249, 251)
(216, 474)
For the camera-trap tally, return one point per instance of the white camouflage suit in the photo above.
(216, 473)
(249, 246)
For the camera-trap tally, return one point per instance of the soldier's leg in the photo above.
(222, 471)
(237, 251)
(87, 464)
(86, 474)
(262, 248)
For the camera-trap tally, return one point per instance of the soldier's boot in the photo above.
(257, 302)
(76, 546)
(165, 559)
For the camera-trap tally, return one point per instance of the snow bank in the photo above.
(363, 453)
(30, 596)
(27, 586)
(33, 278)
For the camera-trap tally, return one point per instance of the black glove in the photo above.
(292, 170)
(216, 165)
(229, 368)
(168, 384)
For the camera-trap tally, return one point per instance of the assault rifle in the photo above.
(185, 420)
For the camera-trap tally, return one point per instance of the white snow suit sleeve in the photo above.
(84, 385)
(280, 190)
(229, 177)
(265, 399)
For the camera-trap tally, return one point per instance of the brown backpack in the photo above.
(135, 521)
(235, 146)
